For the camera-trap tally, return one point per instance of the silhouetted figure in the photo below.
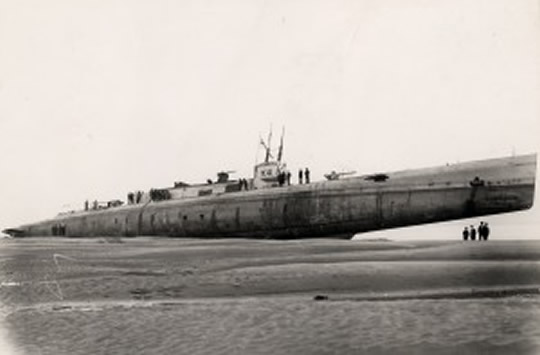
(139, 196)
(306, 173)
(486, 231)
(86, 204)
(288, 178)
(481, 231)
(130, 198)
(300, 176)
(465, 234)
(473, 233)
(281, 178)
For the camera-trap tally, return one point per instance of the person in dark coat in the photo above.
(481, 231)
(486, 231)
(281, 178)
(306, 173)
(288, 178)
(300, 175)
(473, 233)
(465, 234)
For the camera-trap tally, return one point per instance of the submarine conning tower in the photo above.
(268, 173)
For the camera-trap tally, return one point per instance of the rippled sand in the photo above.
(163, 296)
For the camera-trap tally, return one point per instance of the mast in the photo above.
(280, 151)
(268, 146)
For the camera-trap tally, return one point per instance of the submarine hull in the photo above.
(339, 208)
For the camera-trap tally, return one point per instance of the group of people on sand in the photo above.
(471, 232)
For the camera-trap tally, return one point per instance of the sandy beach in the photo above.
(159, 295)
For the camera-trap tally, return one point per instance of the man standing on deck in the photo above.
(486, 231)
(306, 173)
(300, 174)
(281, 178)
(465, 234)
(473, 233)
(481, 231)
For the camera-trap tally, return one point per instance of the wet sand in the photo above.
(148, 295)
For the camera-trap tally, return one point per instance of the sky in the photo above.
(99, 98)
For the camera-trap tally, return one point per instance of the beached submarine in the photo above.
(268, 206)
